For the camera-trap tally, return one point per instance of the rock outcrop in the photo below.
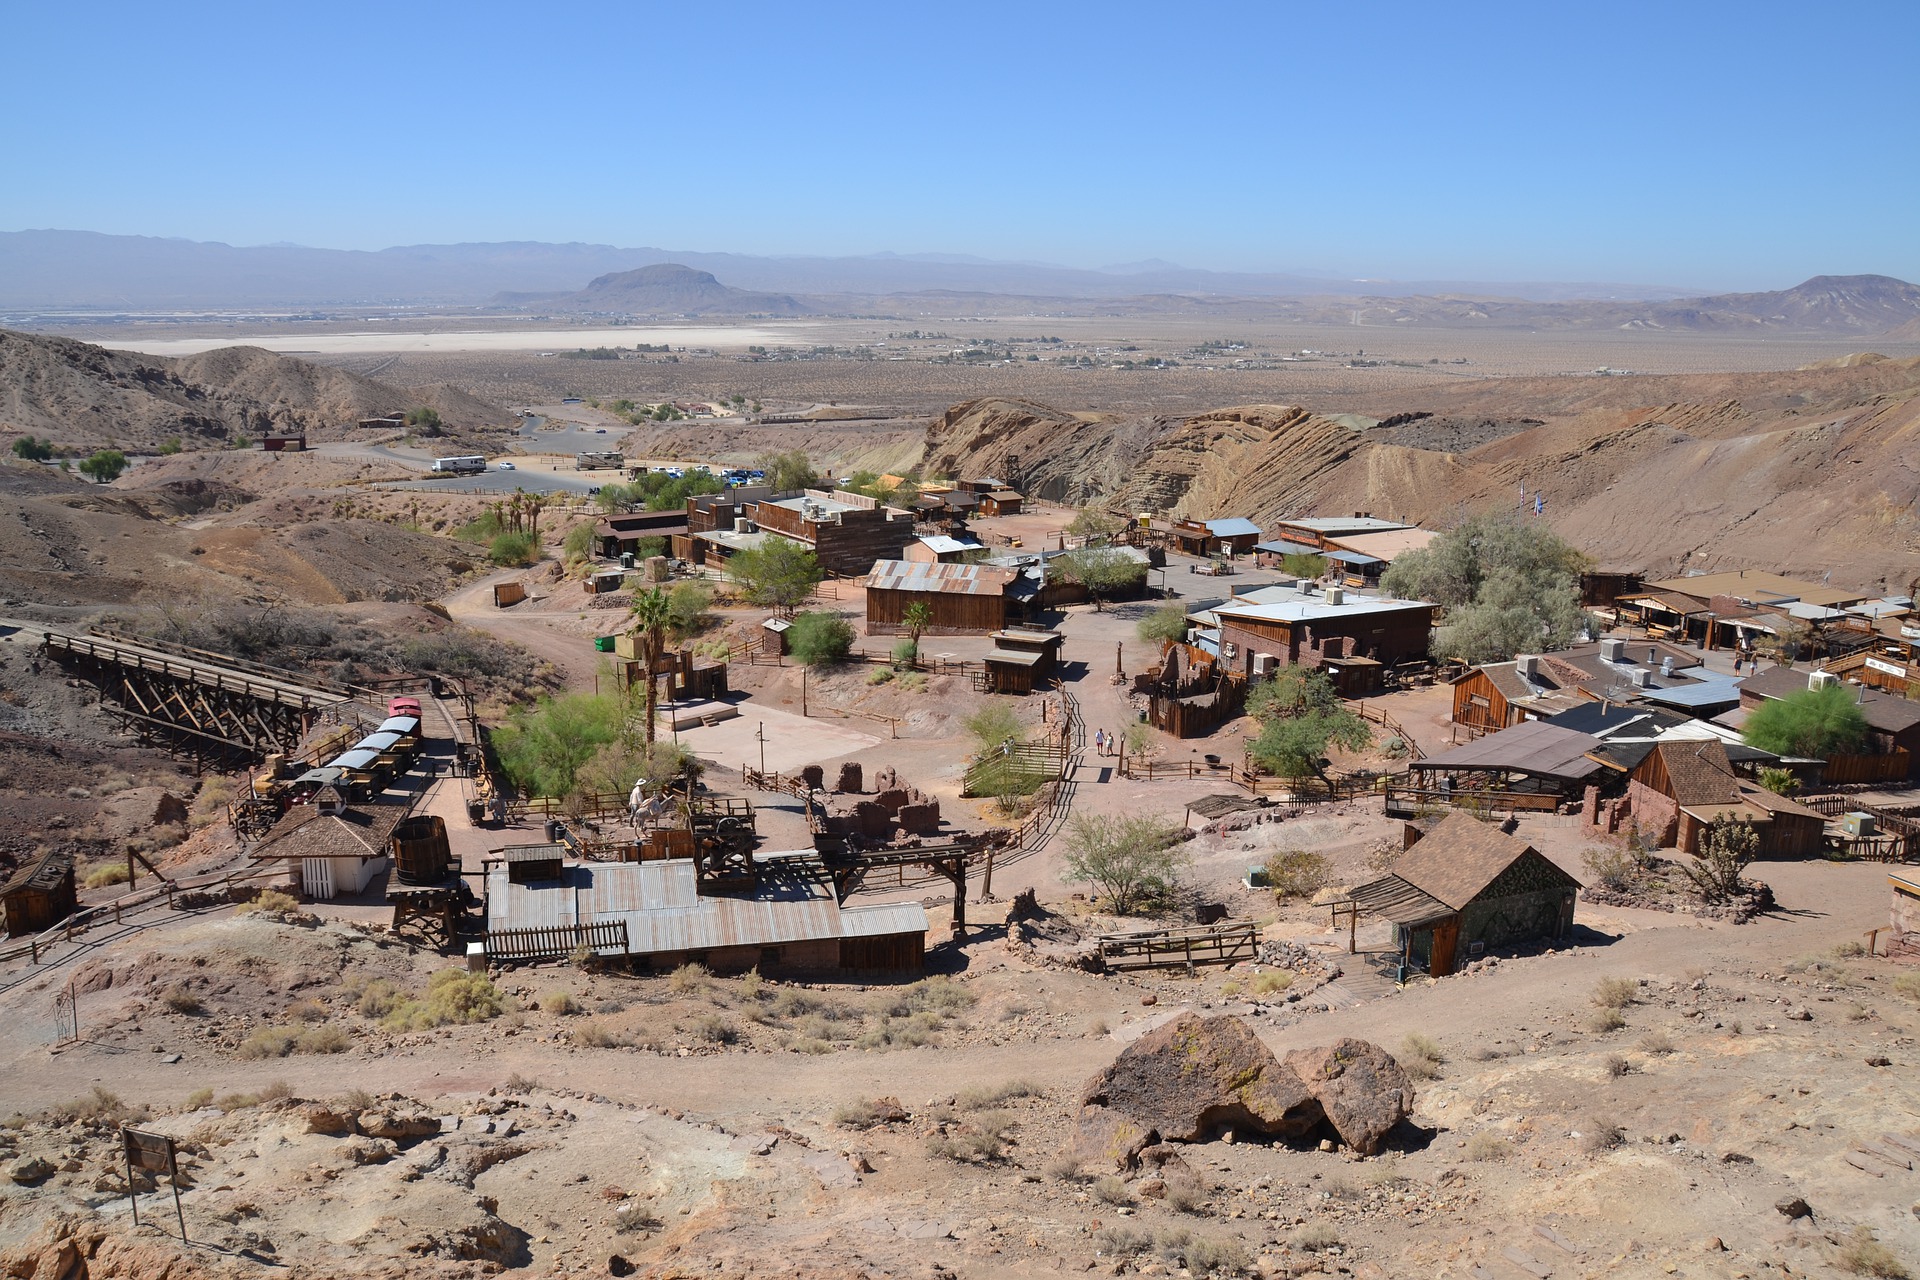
(1192, 1077)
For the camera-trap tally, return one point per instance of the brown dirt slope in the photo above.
(85, 396)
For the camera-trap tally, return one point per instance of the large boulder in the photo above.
(1190, 1076)
(1362, 1091)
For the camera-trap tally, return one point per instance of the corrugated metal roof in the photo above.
(400, 724)
(377, 742)
(1331, 526)
(944, 579)
(1231, 527)
(941, 545)
(1536, 747)
(355, 759)
(664, 911)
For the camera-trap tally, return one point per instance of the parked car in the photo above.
(507, 466)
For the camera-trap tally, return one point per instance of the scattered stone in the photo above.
(1799, 1013)
(1149, 999)
(619, 1266)
(31, 1171)
(1363, 1092)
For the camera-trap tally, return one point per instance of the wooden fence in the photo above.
(1847, 770)
(1176, 948)
(1376, 716)
(560, 940)
(602, 804)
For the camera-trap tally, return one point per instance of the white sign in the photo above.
(1886, 668)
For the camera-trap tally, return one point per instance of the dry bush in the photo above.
(197, 1099)
(1184, 1195)
(1864, 1255)
(98, 1104)
(1908, 985)
(357, 1100)
(1487, 1146)
(1616, 1066)
(687, 979)
(272, 903)
(1215, 1255)
(1097, 1029)
(1297, 873)
(978, 1097)
(453, 996)
(1615, 993)
(1122, 1241)
(1063, 1168)
(717, 1029)
(519, 1084)
(1228, 990)
(900, 1033)
(1656, 1044)
(595, 1034)
(269, 1042)
(105, 874)
(1604, 1020)
(307, 1011)
(1270, 983)
(1600, 1135)
(968, 1148)
(1610, 868)
(1108, 1189)
(1848, 951)
(325, 1038)
(377, 998)
(181, 1000)
(1421, 1057)
(856, 1115)
(1315, 1237)
(559, 1003)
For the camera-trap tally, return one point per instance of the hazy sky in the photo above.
(1687, 143)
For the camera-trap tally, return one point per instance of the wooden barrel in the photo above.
(420, 853)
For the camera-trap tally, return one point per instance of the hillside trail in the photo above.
(535, 630)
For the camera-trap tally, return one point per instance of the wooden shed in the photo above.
(40, 894)
(1464, 887)
(963, 599)
(1021, 660)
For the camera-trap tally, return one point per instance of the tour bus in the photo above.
(595, 461)
(460, 466)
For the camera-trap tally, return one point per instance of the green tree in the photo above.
(543, 748)
(1103, 571)
(992, 726)
(514, 550)
(1168, 622)
(916, 618)
(104, 466)
(779, 573)
(1507, 586)
(1779, 781)
(1814, 723)
(170, 446)
(1303, 564)
(576, 549)
(1301, 716)
(427, 420)
(651, 617)
(787, 471)
(33, 450)
(688, 603)
(1091, 522)
(1133, 861)
(820, 638)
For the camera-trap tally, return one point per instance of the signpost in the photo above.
(153, 1153)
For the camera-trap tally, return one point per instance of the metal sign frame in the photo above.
(154, 1153)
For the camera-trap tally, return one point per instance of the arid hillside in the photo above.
(1808, 471)
(80, 395)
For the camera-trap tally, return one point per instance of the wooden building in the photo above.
(1463, 888)
(284, 444)
(943, 548)
(1893, 724)
(786, 919)
(1677, 791)
(40, 894)
(1534, 765)
(847, 531)
(995, 497)
(1498, 695)
(1022, 660)
(1353, 638)
(335, 849)
(963, 599)
(622, 533)
(1224, 536)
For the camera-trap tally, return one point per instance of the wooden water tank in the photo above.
(420, 853)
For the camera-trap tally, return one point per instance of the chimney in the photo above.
(1653, 655)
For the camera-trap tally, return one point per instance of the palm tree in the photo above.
(651, 620)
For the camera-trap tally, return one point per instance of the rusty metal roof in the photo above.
(945, 579)
(664, 910)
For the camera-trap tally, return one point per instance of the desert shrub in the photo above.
(880, 675)
(940, 995)
(582, 958)
(1725, 851)
(1122, 1241)
(96, 1104)
(1097, 1029)
(856, 1115)
(1908, 985)
(1864, 1255)
(452, 996)
(1616, 1066)
(1062, 1168)
(1108, 1189)
(751, 986)
(1231, 989)
(1487, 1146)
(272, 903)
(978, 1097)
(594, 1034)
(269, 1042)
(1131, 860)
(181, 1000)
(1848, 950)
(1600, 1135)
(1314, 1237)
(198, 1099)
(715, 1028)
(357, 1100)
(687, 979)
(323, 1038)
(1656, 1044)
(1421, 1056)
(1615, 993)
(519, 1084)
(105, 874)
(1608, 867)
(1272, 982)
(992, 725)
(905, 653)
(911, 681)
(1298, 873)
(512, 550)
(378, 998)
(1215, 1255)
(967, 1147)
(236, 1101)
(306, 1011)
(559, 1003)
(1184, 1195)
(900, 1033)
(1603, 1020)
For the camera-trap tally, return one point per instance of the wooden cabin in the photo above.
(335, 849)
(1677, 791)
(963, 599)
(40, 894)
(1022, 661)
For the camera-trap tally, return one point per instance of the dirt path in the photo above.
(556, 636)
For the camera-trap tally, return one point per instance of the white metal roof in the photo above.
(1314, 608)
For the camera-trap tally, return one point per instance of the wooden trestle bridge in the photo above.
(207, 702)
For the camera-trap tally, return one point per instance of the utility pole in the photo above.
(761, 735)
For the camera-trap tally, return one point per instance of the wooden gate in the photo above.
(316, 878)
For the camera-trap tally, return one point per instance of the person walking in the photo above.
(1099, 742)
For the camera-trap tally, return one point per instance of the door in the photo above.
(316, 878)
(1446, 940)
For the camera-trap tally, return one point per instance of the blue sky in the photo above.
(1695, 144)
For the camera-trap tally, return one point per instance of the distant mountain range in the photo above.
(85, 269)
(62, 270)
